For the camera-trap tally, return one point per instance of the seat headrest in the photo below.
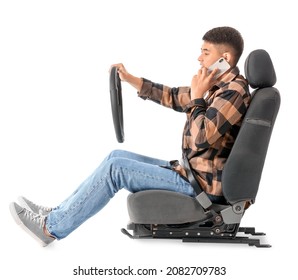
(259, 69)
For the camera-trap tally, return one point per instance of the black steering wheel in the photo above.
(116, 104)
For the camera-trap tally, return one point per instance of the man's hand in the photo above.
(126, 77)
(123, 74)
(202, 82)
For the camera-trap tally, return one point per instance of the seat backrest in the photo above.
(243, 169)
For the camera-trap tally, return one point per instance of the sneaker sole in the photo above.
(20, 223)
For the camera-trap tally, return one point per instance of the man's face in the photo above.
(209, 54)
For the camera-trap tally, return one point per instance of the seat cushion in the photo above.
(163, 207)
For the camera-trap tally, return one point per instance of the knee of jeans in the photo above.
(115, 153)
(114, 162)
(114, 171)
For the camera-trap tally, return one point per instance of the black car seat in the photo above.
(166, 214)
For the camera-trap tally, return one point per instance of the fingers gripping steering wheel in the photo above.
(116, 104)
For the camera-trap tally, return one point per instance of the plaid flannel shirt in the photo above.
(212, 124)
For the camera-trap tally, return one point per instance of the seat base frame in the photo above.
(192, 233)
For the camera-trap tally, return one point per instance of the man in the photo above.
(214, 106)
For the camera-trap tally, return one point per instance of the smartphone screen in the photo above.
(222, 66)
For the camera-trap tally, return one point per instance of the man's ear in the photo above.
(228, 57)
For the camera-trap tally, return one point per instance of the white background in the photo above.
(56, 126)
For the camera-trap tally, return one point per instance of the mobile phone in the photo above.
(222, 65)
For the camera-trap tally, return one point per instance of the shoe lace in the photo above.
(36, 218)
(42, 208)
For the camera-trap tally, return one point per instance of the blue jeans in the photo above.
(121, 169)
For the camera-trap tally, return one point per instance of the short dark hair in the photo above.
(228, 36)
